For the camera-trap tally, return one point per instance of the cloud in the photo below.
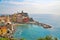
(36, 6)
(13, 0)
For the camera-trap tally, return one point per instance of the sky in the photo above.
(30, 6)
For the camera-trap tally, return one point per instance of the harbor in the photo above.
(10, 22)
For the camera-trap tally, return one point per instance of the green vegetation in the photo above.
(4, 39)
(22, 39)
(48, 38)
(11, 39)
(43, 38)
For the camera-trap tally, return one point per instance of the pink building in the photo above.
(19, 18)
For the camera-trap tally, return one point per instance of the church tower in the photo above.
(8, 20)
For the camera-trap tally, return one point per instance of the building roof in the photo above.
(23, 13)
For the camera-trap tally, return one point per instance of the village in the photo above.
(7, 23)
(17, 17)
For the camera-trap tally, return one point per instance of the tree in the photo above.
(22, 39)
(48, 38)
(55, 38)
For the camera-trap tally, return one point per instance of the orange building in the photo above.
(3, 30)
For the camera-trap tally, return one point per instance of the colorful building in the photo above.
(16, 17)
(22, 17)
(19, 18)
(3, 30)
(25, 19)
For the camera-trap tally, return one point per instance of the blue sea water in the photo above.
(33, 32)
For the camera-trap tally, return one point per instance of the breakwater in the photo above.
(40, 24)
(35, 23)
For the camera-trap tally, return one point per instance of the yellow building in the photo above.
(3, 30)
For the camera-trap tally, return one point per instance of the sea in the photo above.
(33, 32)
